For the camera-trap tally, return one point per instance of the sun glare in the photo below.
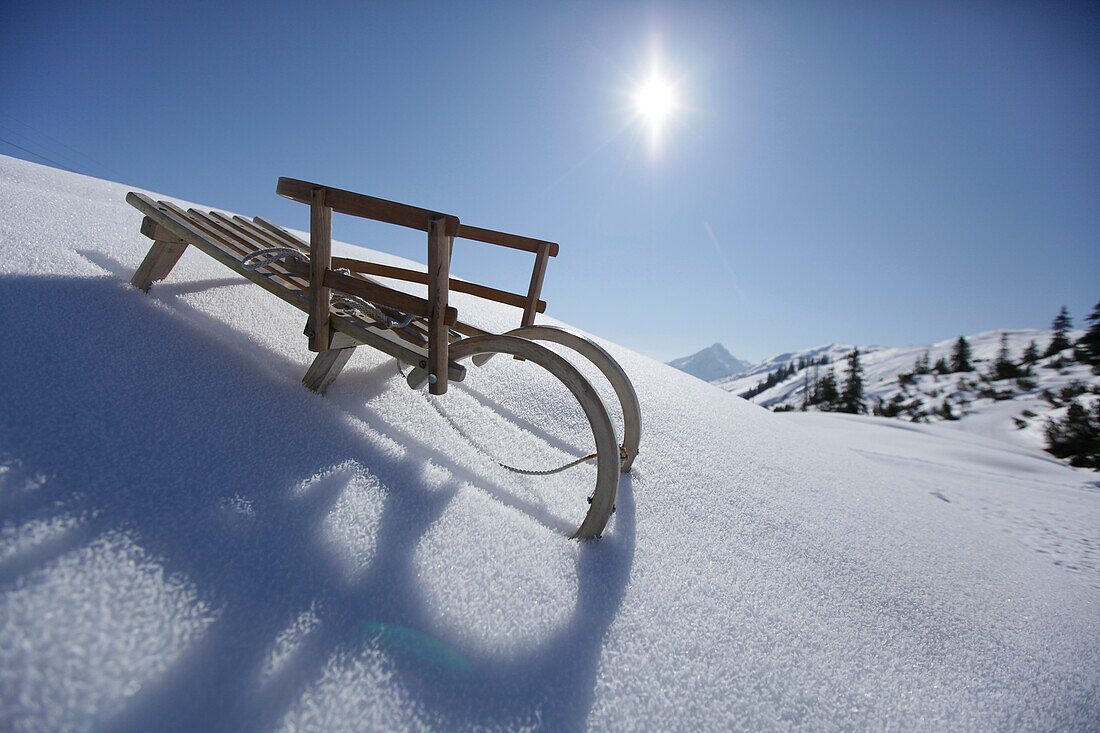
(655, 103)
(655, 100)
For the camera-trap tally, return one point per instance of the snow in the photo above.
(191, 540)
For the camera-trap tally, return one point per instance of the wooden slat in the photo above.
(173, 219)
(412, 335)
(279, 233)
(282, 277)
(257, 239)
(374, 268)
(415, 276)
(439, 266)
(414, 217)
(514, 241)
(201, 225)
(269, 237)
(243, 243)
(255, 236)
(369, 207)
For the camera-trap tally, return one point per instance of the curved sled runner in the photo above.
(348, 308)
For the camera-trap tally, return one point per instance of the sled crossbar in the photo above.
(392, 212)
(415, 276)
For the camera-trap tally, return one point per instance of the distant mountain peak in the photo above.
(713, 362)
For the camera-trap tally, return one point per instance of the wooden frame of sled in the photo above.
(348, 308)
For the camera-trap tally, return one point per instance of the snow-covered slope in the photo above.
(711, 363)
(191, 540)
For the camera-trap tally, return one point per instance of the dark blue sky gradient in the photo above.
(890, 173)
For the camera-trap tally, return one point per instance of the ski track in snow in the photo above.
(189, 540)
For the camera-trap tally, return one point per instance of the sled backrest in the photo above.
(441, 229)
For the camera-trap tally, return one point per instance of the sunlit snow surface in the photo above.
(191, 540)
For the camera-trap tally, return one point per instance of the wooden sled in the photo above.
(347, 308)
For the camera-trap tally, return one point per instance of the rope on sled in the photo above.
(525, 471)
(270, 255)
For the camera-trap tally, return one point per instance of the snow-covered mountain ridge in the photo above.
(711, 363)
(190, 540)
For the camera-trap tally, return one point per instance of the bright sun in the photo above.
(654, 100)
(655, 103)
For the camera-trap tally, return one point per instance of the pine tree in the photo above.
(960, 357)
(1090, 342)
(1031, 353)
(1003, 367)
(851, 400)
(826, 391)
(1076, 436)
(941, 366)
(920, 366)
(1060, 341)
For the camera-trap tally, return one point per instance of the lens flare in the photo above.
(656, 101)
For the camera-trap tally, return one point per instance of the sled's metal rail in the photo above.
(428, 336)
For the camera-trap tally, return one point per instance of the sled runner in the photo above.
(347, 308)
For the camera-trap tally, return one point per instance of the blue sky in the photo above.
(890, 173)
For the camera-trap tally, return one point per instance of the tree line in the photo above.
(782, 374)
(1075, 436)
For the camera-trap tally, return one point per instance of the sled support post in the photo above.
(320, 257)
(440, 242)
(533, 292)
(329, 363)
(162, 257)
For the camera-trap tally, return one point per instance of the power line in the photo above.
(43, 157)
(34, 143)
(69, 147)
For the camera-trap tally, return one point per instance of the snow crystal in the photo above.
(350, 528)
(289, 641)
(82, 635)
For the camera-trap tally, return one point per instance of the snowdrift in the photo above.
(192, 540)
